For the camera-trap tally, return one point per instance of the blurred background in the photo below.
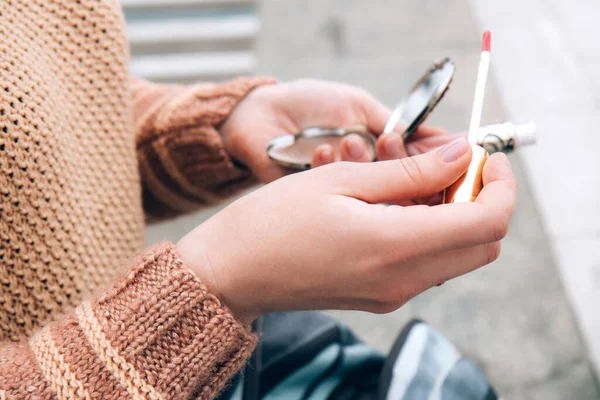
(531, 318)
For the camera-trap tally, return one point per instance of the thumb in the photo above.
(376, 114)
(405, 178)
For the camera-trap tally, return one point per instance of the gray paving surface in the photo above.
(550, 73)
(511, 317)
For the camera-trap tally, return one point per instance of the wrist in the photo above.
(205, 263)
(234, 130)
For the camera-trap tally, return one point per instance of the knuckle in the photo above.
(386, 305)
(382, 308)
(500, 228)
(411, 169)
(387, 301)
(492, 252)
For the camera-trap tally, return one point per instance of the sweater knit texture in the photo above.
(85, 151)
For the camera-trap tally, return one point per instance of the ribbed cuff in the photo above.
(160, 109)
(160, 320)
(183, 161)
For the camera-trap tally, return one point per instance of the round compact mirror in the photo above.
(422, 99)
(296, 151)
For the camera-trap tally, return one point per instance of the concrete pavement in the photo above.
(548, 61)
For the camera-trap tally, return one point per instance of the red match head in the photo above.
(486, 44)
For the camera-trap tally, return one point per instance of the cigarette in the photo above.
(482, 75)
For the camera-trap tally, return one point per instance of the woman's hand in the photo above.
(275, 110)
(322, 239)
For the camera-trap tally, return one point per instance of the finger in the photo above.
(442, 267)
(434, 200)
(459, 225)
(420, 145)
(424, 131)
(405, 178)
(390, 147)
(436, 269)
(497, 172)
(375, 113)
(353, 148)
(324, 154)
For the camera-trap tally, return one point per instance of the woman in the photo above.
(85, 151)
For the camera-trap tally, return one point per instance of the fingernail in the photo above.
(454, 150)
(355, 147)
(393, 145)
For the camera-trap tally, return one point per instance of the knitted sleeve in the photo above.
(157, 334)
(182, 160)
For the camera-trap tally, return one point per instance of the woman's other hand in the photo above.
(274, 110)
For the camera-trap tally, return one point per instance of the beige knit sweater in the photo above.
(83, 151)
